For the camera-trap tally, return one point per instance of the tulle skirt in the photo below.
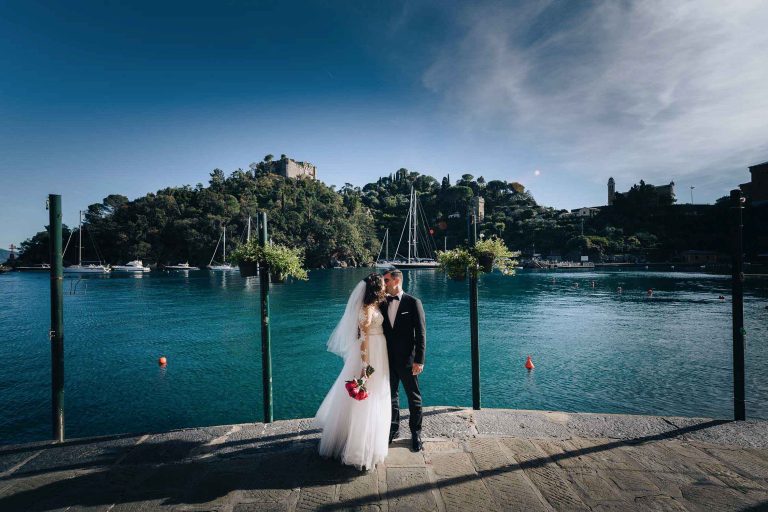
(357, 432)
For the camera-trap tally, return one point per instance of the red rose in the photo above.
(352, 388)
(361, 395)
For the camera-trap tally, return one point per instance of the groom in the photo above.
(406, 331)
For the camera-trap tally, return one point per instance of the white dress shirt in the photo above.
(392, 308)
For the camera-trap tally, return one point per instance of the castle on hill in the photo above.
(663, 193)
(288, 168)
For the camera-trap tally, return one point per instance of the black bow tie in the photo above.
(390, 298)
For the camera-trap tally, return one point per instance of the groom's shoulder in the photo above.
(411, 297)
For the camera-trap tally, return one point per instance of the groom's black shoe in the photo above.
(393, 435)
(416, 444)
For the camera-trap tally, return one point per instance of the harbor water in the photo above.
(595, 349)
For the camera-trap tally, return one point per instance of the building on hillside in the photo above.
(585, 212)
(290, 168)
(664, 193)
(478, 205)
(756, 191)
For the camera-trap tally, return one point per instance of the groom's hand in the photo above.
(417, 368)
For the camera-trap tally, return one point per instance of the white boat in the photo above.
(134, 267)
(224, 266)
(181, 266)
(39, 267)
(417, 229)
(90, 268)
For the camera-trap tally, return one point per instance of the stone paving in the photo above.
(489, 460)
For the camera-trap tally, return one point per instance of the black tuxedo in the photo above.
(406, 344)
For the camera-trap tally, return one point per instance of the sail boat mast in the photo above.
(80, 239)
(225, 244)
(410, 218)
(411, 224)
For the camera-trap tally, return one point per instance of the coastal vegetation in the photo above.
(345, 226)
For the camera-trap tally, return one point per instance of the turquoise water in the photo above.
(594, 350)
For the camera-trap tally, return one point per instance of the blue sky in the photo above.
(128, 97)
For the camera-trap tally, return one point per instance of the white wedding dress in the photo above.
(357, 432)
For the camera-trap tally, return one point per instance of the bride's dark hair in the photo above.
(374, 289)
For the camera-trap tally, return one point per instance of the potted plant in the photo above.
(282, 261)
(483, 257)
(247, 256)
(455, 262)
(489, 251)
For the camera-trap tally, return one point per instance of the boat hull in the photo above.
(75, 269)
(416, 265)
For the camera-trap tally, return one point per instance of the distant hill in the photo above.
(4, 253)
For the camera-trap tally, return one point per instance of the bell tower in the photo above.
(611, 191)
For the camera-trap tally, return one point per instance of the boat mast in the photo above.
(225, 245)
(386, 241)
(413, 221)
(80, 239)
(410, 223)
(248, 236)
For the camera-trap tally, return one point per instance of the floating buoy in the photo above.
(618, 289)
(650, 292)
(162, 361)
(593, 284)
(529, 363)
(721, 297)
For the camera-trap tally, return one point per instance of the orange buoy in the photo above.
(162, 361)
(529, 363)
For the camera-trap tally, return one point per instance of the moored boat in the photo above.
(40, 267)
(181, 266)
(135, 266)
(418, 232)
(90, 268)
(224, 266)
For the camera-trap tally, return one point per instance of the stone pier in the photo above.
(489, 460)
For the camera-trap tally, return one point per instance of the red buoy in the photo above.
(162, 361)
(529, 363)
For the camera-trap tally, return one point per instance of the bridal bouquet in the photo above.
(356, 387)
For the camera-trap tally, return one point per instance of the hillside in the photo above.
(179, 224)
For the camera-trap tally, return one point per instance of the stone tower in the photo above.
(611, 191)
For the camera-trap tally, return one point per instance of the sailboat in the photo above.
(224, 267)
(385, 263)
(90, 268)
(414, 221)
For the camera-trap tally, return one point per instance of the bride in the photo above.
(357, 431)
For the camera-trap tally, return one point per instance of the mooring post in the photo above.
(737, 286)
(266, 341)
(473, 327)
(56, 333)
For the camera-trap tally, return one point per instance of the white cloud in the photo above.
(652, 89)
